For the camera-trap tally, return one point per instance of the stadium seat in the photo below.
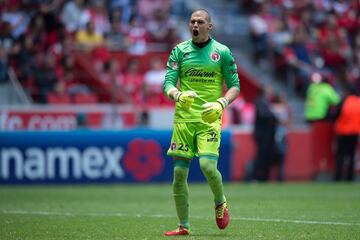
(85, 98)
(54, 98)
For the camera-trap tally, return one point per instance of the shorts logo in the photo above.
(173, 146)
(215, 56)
(212, 136)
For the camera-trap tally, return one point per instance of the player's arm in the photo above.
(231, 94)
(231, 77)
(185, 99)
(213, 110)
(172, 74)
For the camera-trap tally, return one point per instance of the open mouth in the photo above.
(195, 32)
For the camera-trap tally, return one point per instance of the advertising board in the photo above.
(86, 156)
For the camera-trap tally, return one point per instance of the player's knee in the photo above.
(208, 166)
(180, 174)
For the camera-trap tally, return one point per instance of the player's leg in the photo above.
(181, 196)
(208, 143)
(352, 142)
(208, 165)
(181, 190)
(182, 152)
(340, 157)
(213, 176)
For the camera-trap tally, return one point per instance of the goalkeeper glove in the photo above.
(213, 110)
(185, 99)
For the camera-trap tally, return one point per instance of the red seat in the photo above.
(85, 98)
(54, 98)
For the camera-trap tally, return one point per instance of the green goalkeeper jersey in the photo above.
(202, 70)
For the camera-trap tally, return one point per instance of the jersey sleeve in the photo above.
(172, 70)
(332, 95)
(229, 69)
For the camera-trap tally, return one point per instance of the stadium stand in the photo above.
(64, 47)
(91, 52)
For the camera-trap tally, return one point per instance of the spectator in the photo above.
(144, 119)
(81, 121)
(259, 34)
(334, 59)
(87, 39)
(112, 120)
(17, 18)
(3, 65)
(153, 81)
(301, 60)
(133, 81)
(100, 17)
(148, 9)
(180, 8)
(281, 36)
(75, 15)
(347, 130)
(44, 75)
(112, 79)
(319, 98)
(115, 39)
(24, 56)
(125, 6)
(60, 93)
(111, 74)
(63, 47)
(136, 37)
(160, 26)
(37, 32)
(282, 112)
(7, 41)
(264, 135)
(162, 32)
(71, 85)
(48, 11)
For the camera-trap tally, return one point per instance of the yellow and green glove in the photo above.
(213, 110)
(185, 98)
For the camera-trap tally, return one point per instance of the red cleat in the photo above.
(222, 215)
(180, 231)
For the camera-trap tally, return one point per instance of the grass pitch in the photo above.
(258, 211)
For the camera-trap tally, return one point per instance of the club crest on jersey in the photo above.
(173, 146)
(215, 56)
(174, 65)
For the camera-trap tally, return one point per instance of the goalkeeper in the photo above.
(201, 64)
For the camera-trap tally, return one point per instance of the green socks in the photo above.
(213, 177)
(181, 191)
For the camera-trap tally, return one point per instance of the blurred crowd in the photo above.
(314, 48)
(38, 39)
(297, 38)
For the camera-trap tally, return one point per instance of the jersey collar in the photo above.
(202, 44)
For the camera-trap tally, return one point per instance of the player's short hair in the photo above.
(208, 18)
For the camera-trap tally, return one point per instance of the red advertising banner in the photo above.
(65, 119)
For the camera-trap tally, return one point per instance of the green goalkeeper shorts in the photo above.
(191, 139)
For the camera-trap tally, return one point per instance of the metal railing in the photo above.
(19, 90)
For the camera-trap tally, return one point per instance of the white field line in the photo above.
(278, 220)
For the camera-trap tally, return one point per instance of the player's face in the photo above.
(199, 26)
